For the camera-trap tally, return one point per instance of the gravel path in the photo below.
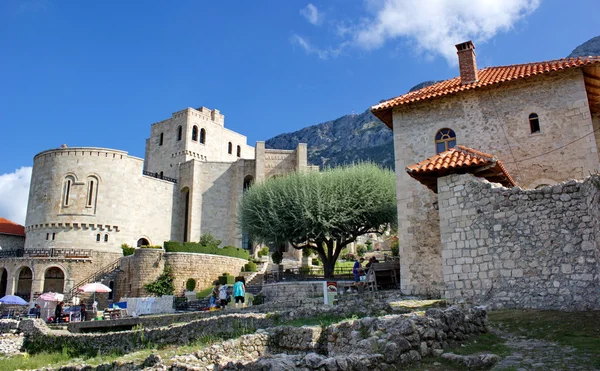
(532, 354)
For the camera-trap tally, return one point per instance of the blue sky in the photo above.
(98, 73)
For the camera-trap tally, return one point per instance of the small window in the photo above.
(202, 136)
(534, 123)
(92, 189)
(444, 140)
(179, 132)
(239, 151)
(47, 236)
(67, 191)
(160, 139)
(98, 237)
(195, 133)
(106, 238)
(229, 148)
(53, 236)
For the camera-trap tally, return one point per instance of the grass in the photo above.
(204, 293)
(322, 320)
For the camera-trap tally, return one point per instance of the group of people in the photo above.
(58, 312)
(358, 270)
(221, 294)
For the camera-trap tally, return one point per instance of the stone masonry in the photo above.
(521, 248)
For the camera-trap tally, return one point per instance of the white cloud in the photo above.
(435, 26)
(14, 191)
(312, 15)
(320, 52)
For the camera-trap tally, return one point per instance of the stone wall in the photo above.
(521, 248)
(147, 264)
(493, 120)
(9, 242)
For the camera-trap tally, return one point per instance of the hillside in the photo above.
(590, 47)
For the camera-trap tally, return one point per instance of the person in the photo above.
(372, 260)
(357, 269)
(37, 311)
(83, 312)
(223, 296)
(58, 312)
(214, 297)
(239, 291)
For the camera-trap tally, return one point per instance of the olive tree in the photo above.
(320, 211)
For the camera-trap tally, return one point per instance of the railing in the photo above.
(11, 253)
(94, 277)
(57, 253)
(307, 274)
(159, 176)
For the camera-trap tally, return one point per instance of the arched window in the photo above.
(444, 140)
(202, 136)
(229, 148)
(160, 139)
(143, 242)
(98, 237)
(106, 237)
(179, 133)
(195, 133)
(534, 123)
(239, 151)
(69, 180)
(92, 191)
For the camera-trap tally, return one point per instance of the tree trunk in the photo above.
(328, 267)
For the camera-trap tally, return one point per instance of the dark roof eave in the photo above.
(385, 115)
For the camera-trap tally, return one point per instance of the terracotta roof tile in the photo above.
(487, 76)
(8, 227)
(460, 160)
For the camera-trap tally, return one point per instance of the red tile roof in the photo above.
(460, 160)
(487, 76)
(8, 227)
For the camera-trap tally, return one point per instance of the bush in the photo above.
(369, 245)
(150, 247)
(197, 248)
(395, 248)
(163, 285)
(226, 279)
(304, 270)
(209, 240)
(307, 253)
(277, 257)
(361, 250)
(250, 267)
(190, 284)
(316, 262)
(127, 250)
(344, 254)
(263, 252)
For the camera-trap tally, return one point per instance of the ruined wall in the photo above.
(521, 248)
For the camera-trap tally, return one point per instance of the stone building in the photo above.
(84, 203)
(12, 239)
(541, 119)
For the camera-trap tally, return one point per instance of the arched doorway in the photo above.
(54, 280)
(3, 282)
(248, 180)
(24, 279)
(142, 242)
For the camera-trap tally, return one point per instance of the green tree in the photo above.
(208, 239)
(321, 211)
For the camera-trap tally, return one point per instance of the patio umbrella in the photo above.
(51, 296)
(94, 287)
(12, 299)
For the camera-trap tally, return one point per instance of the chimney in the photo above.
(467, 63)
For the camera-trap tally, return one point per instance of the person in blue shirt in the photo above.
(239, 291)
(357, 269)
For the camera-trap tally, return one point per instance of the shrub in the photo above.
(395, 248)
(163, 285)
(344, 254)
(307, 253)
(190, 284)
(277, 257)
(127, 250)
(304, 270)
(361, 250)
(316, 262)
(369, 245)
(197, 248)
(250, 267)
(263, 252)
(209, 240)
(150, 247)
(226, 279)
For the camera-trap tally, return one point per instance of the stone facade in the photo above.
(521, 248)
(11, 242)
(494, 120)
(84, 203)
(146, 265)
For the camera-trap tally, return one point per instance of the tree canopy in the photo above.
(321, 211)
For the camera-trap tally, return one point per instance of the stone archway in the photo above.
(54, 280)
(143, 242)
(3, 282)
(24, 280)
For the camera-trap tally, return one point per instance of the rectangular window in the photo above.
(53, 236)
(90, 193)
(67, 192)
(47, 236)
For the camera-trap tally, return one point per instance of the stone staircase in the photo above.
(105, 275)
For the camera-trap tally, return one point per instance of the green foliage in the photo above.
(277, 257)
(150, 247)
(258, 299)
(204, 293)
(195, 247)
(395, 248)
(190, 284)
(263, 252)
(361, 250)
(226, 279)
(328, 209)
(250, 267)
(307, 253)
(304, 270)
(208, 239)
(163, 285)
(127, 250)
(369, 245)
(345, 254)
(316, 262)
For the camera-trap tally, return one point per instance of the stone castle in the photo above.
(84, 203)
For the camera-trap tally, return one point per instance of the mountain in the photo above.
(345, 140)
(590, 47)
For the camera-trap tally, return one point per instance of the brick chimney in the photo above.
(467, 62)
